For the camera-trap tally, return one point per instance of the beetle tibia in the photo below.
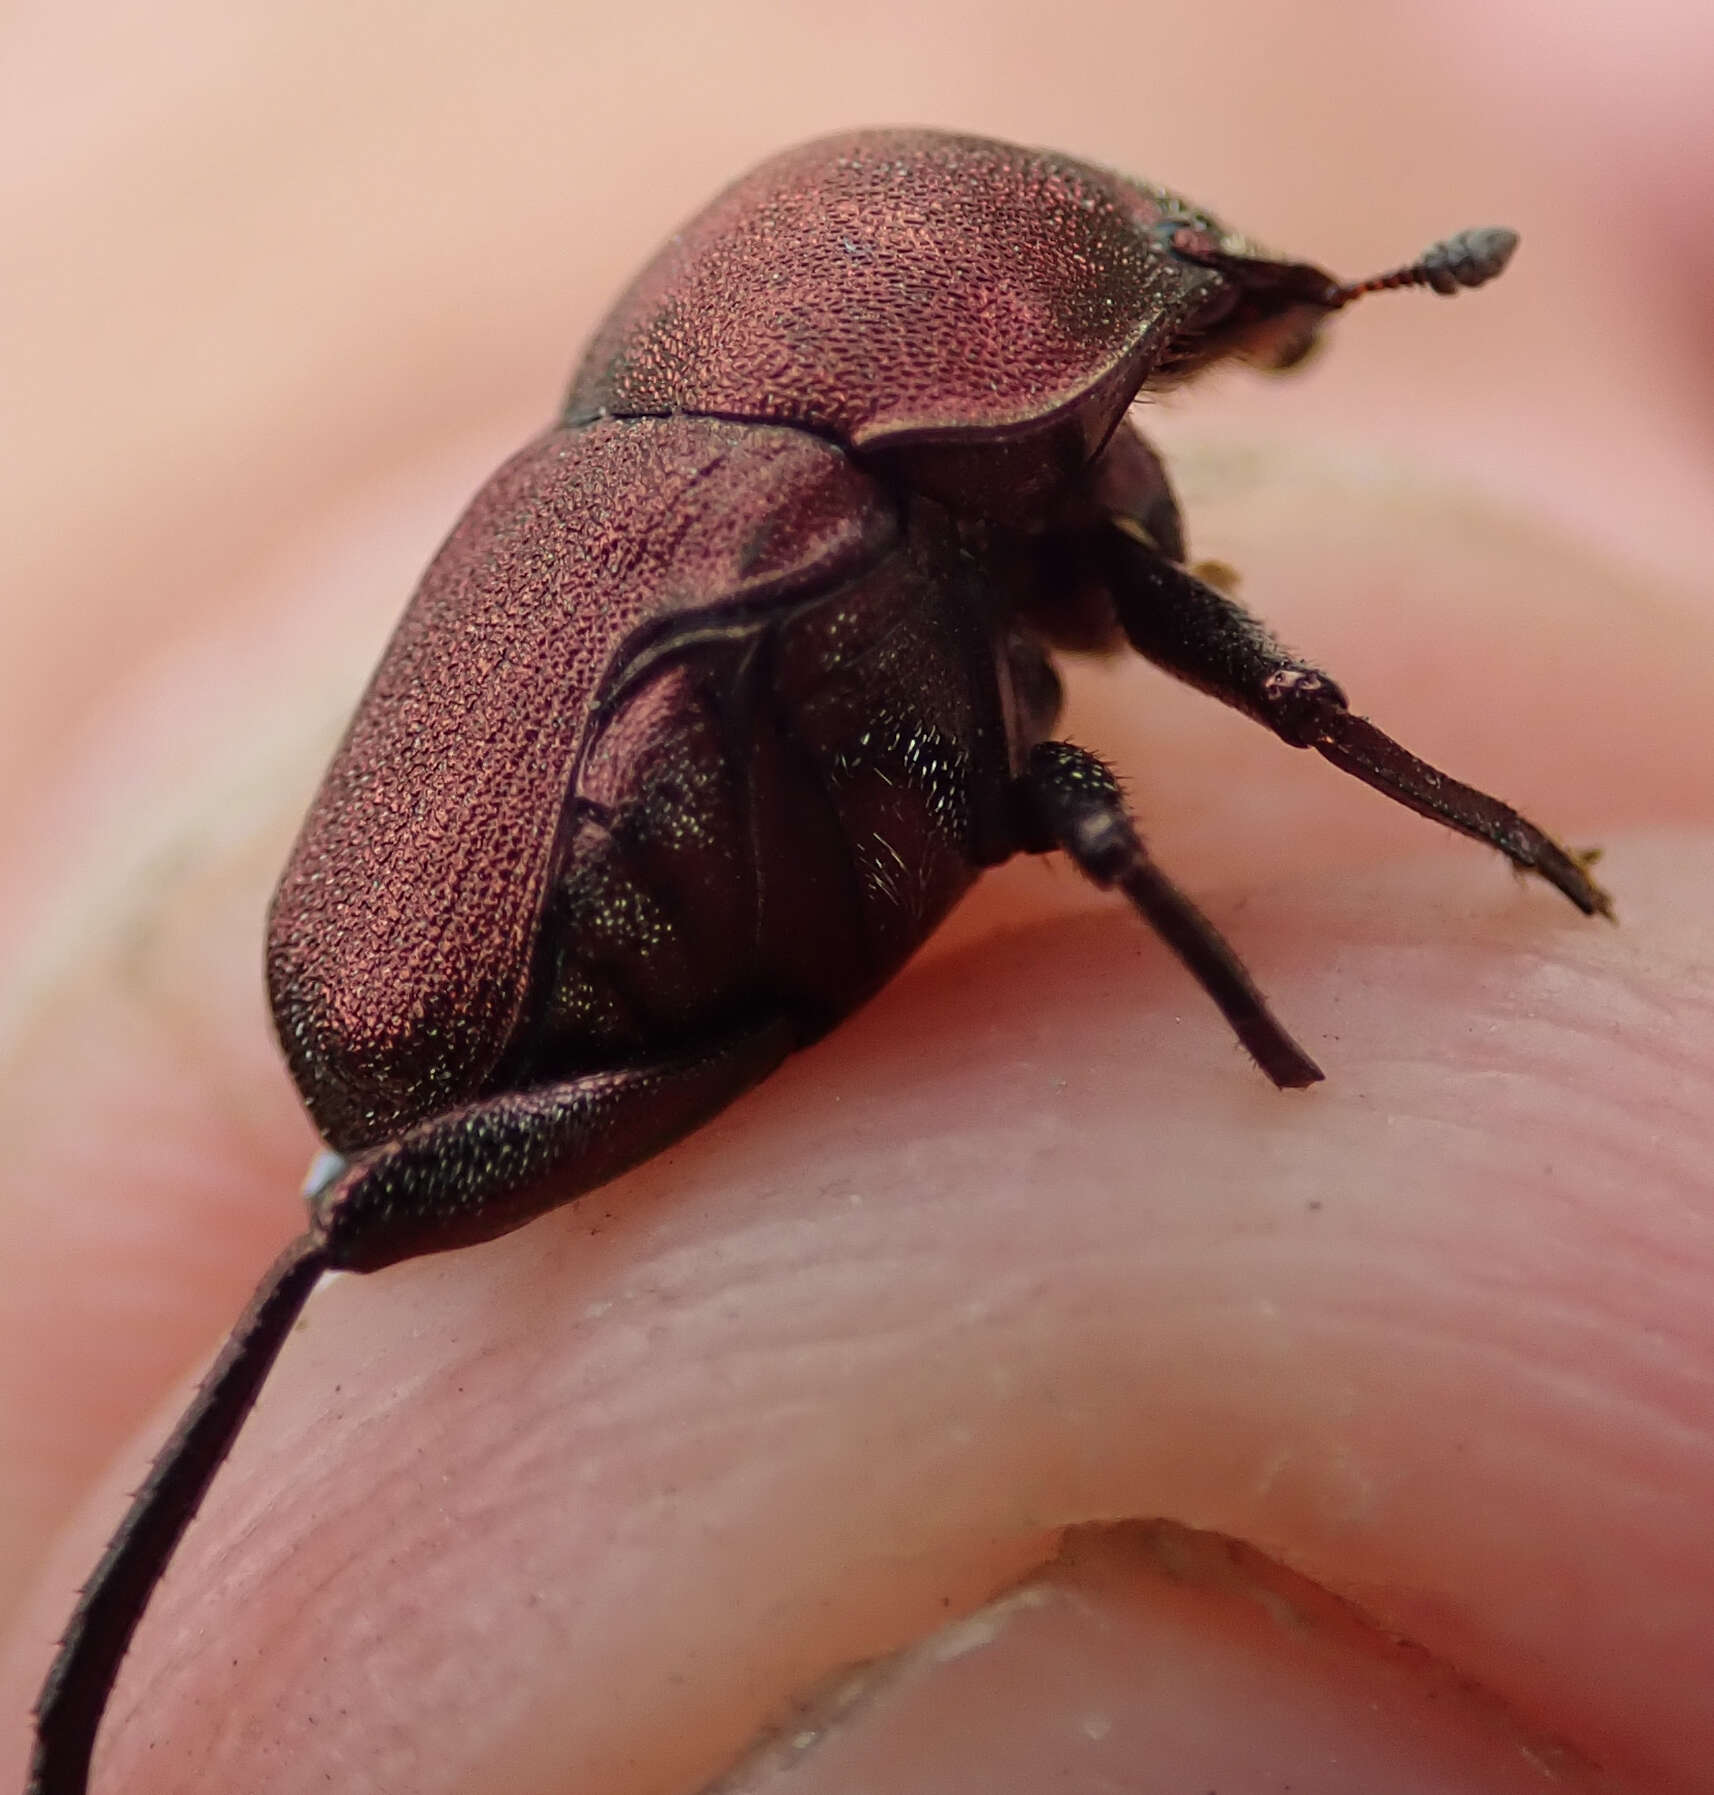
(1071, 800)
(1209, 640)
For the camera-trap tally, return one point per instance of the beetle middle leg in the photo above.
(1067, 798)
(1209, 640)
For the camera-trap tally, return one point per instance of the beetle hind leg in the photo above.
(1069, 799)
(112, 1601)
(1209, 640)
(487, 1167)
(467, 1175)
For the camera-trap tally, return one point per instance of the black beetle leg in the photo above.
(467, 1175)
(1067, 798)
(487, 1167)
(113, 1599)
(1210, 641)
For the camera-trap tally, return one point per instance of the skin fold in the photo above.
(1022, 1281)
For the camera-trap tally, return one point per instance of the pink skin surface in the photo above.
(1027, 1246)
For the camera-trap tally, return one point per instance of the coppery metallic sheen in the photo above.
(402, 935)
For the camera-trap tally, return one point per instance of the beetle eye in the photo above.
(1177, 213)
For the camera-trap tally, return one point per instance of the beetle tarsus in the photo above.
(1072, 801)
(1357, 747)
(113, 1600)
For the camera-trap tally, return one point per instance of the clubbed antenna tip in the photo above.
(1466, 260)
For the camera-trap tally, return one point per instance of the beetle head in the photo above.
(972, 317)
(1269, 312)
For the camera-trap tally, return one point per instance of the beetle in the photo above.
(727, 687)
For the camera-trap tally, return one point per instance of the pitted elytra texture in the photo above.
(403, 931)
(895, 283)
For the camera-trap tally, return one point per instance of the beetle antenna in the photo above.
(1466, 260)
(113, 1600)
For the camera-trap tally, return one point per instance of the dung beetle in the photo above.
(727, 687)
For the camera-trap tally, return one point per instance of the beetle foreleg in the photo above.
(1069, 799)
(1210, 641)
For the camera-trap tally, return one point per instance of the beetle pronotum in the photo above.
(767, 617)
